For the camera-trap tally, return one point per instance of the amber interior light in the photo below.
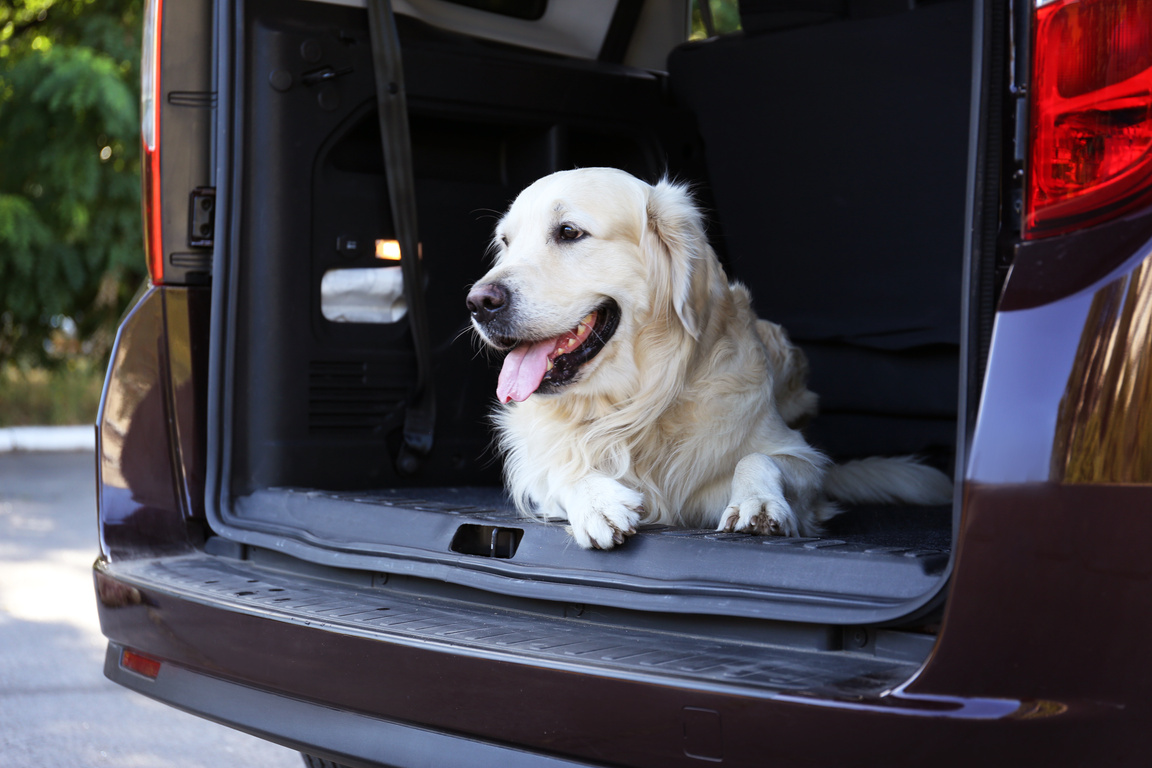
(389, 250)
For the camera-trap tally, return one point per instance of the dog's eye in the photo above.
(568, 232)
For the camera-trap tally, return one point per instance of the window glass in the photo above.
(725, 18)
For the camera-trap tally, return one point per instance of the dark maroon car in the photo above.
(948, 203)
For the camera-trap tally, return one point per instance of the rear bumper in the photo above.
(345, 737)
(378, 675)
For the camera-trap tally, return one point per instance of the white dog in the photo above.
(639, 386)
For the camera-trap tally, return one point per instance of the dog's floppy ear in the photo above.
(677, 243)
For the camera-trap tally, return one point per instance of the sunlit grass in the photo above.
(69, 394)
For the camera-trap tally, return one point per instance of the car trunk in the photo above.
(834, 161)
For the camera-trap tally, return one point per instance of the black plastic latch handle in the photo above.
(202, 217)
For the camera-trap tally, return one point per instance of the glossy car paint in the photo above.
(619, 721)
(150, 438)
(1071, 342)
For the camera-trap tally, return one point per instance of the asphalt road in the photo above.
(56, 707)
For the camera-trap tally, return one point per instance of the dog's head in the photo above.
(586, 262)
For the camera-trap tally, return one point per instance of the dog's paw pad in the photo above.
(760, 515)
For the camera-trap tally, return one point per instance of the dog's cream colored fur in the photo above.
(690, 413)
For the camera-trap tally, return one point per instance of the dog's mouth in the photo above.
(546, 365)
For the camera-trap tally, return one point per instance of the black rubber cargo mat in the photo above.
(874, 563)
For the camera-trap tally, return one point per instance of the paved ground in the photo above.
(56, 707)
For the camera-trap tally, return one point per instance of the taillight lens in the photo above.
(140, 663)
(150, 139)
(1091, 97)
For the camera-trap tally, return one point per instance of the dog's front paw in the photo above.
(604, 514)
(764, 515)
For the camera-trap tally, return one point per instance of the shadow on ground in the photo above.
(56, 707)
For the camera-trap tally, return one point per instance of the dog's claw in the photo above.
(760, 516)
(609, 520)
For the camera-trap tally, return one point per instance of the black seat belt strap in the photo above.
(420, 416)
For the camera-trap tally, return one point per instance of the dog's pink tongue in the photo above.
(523, 370)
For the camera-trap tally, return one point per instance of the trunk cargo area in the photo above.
(848, 230)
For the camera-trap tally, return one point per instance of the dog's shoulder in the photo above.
(789, 365)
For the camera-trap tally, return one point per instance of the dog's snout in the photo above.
(487, 300)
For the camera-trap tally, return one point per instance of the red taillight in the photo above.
(1091, 96)
(150, 139)
(140, 664)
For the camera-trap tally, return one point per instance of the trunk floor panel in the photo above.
(520, 636)
(873, 563)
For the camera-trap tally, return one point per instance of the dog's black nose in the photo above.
(486, 301)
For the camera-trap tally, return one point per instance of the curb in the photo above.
(79, 438)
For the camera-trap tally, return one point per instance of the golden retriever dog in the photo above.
(639, 386)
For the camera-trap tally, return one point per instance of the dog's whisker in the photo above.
(465, 330)
(486, 213)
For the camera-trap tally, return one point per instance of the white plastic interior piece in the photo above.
(373, 295)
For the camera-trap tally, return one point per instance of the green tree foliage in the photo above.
(70, 232)
(725, 17)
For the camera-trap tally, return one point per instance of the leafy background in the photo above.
(71, 252)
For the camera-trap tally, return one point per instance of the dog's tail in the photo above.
(877, 480)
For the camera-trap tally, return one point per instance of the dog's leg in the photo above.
(601, 511)
(758, 503)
